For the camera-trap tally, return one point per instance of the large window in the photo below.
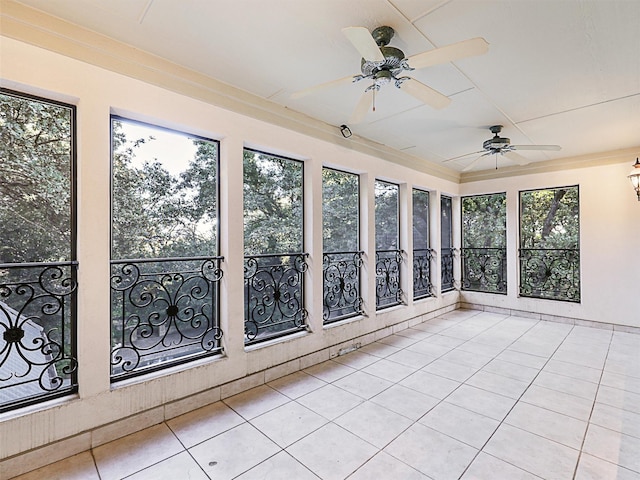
(342, 257)
(388, 253)
(422, 254)
(484, 241)
(446, 244)
(550, 244)
(273, 242)
(165, 270)
(37, 250)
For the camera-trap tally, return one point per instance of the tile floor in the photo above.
(468, 395)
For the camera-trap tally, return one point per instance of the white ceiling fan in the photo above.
(383, 64)
(498, 145)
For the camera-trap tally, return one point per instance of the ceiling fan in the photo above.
(382, 64)
(498, 145)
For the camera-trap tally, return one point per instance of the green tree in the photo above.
(484, 221)
(387, 215)
(340, 211)
(550, 219)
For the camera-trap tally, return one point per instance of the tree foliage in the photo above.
(35, 180)
(484, 221)
(340, 209)
(420, 199)
(387, 215)
(550, 218)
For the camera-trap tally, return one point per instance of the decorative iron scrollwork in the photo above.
(446, 264)
(341, 282)
(388, 289)
(550, 273)
(164, 311)
(274, 295)
(37, 320)
(484, 270)
(422, 286)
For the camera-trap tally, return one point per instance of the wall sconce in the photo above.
(346, 131)
(634, 176)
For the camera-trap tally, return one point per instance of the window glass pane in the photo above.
(387, 211)
(421, 253)
(37, 250)
(342, 259)
(273, 242)
(446, 244)
(445, 222)
(484, 224)
(550, 243)
(165, 270)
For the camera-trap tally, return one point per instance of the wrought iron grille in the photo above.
(341, 282)
(484, 270)
(446, 264)
(38, 343)
(550, 273)
(388, 290)
(273, 295)
(165, 311)
(422, 286)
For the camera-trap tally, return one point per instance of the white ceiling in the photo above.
(563, 72)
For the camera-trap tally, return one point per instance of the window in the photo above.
(342, 258)
(446, 244)
(422, 256)
(37, 250)
(550, 244)
(273, 243)
(165, 270)
(484, 241)
(388, 254)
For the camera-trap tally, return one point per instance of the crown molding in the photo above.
(34, 27)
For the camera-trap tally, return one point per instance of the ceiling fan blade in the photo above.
(450, 53)
(517, 158)
(475, 162)
(425, 94)
(462, 156)
(364, 43)
(362, 108)
(537, 147)
(322, 86)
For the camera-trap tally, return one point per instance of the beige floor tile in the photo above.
(430, 384)
(492, 382)
(331, 452)
(532, 453)
(373, 423)
(178, 466)
(619, 398)
(405, 401)
(392, 371)
(363, 384)
(256, 401)
(511, 370)
(384, 465)
(297, 384)
(357, 359)
(487, 467)
(411, 359)
(561, 383)
(427, 347)
(571, 370)
(204, 423)
(233, 452)
(135, 452)
(288, 423)
(616, 419)
(485, 403)
(281, 466)
(432, 453)
(398, 341)
(379, 350)
(446, 340)
(462, 424)
(329, 371)
(615, 447)
(622, 382)
(555, 426)
(481, 348)
(524, 359)
(466, 358)
(453, 371)
(593, 468)
(78, 467)
(576, 407)
(330, 401)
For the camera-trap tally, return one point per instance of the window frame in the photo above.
(429, 255)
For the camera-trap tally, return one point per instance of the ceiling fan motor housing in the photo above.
(496, 143)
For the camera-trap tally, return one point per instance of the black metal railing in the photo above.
(388, 289)
(550, 273)
(341, 285)
(273, 295)
(422, 286)
(164, 311)
(447, 281)
(484, 270)
(38, 332)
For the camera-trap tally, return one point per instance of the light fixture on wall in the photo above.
(634, 176)
(346, 131)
